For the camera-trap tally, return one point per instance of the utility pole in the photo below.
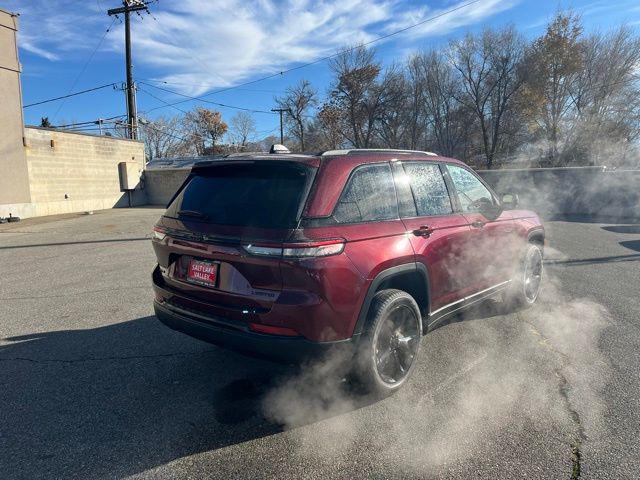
(281, 111)
(129, 6)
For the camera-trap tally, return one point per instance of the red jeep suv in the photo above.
(288, 256)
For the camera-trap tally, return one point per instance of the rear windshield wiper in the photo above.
(192, 213)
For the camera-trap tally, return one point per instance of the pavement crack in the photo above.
(580, 436)
(564, 389)
(107, 358)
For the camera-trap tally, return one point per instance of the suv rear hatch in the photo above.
(215, 242)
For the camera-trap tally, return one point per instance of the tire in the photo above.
(525, 287)
(390, 346)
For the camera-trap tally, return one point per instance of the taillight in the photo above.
(159, 233)
(263, 250)
(313, 249)
(322, 248)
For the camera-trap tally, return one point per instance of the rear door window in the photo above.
(428, 188)
(369, 196)
(265, 195)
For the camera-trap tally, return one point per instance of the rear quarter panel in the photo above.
(340, 282)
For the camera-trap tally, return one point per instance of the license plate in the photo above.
(203, 273)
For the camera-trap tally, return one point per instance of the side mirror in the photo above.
(510, 200)
(488, 207)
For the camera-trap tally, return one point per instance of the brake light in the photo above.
(273, 330)
(322, 248)
(263, 250)
(159, 233)
(313, 249)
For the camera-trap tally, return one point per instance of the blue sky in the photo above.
(198, 46)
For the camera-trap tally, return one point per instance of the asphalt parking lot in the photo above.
(93, 386)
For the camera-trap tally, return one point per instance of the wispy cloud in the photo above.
(52, 29)
(200, 45)
(29, 44)
(443, 24)
(599, 8)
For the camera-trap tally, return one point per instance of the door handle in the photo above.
(423, 231)
(477, 224)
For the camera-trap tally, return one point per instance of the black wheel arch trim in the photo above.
(537, 232)
(385, 275)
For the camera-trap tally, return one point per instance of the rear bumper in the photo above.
(230, 335)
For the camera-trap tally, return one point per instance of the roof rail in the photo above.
(360, 151)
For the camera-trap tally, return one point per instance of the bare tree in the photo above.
(205, 125)
(555, 63)
(447, 118)
(607, 97)
(416, 112)
(243, 126)
(490, 67)
(163, 138)
(297, 100)
(394, 121)
(331, 125)
(357, 93)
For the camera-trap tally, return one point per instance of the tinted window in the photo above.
(370, 195)
(471, 191)
(265, 195)
(429, 189)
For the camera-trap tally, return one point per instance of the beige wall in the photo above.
(38, 167)
(82, 167)
(14, 182)
(162, 183)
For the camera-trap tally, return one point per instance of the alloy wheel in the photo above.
(396, 345)
(532, 275)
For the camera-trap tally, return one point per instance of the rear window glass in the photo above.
(369, 196)
(267, 195)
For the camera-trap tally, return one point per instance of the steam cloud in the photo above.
(538, 368)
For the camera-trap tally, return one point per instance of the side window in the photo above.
(429, 189)
(370, 195)
(471, 191)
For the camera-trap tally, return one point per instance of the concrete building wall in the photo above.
(46, 172)
(162, 183)
(593, 191)
(14, 181)
(73, 172)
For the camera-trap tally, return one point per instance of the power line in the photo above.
(84, 67)
(328, 57)
(161, 100)
(70, 95)
(89, 122)
(164, 82)
(184, 139)
(189, 98)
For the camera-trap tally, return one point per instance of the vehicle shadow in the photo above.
(583, 218)
(631, 244)
(634, 257)
(622, 228)
(121, 399)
